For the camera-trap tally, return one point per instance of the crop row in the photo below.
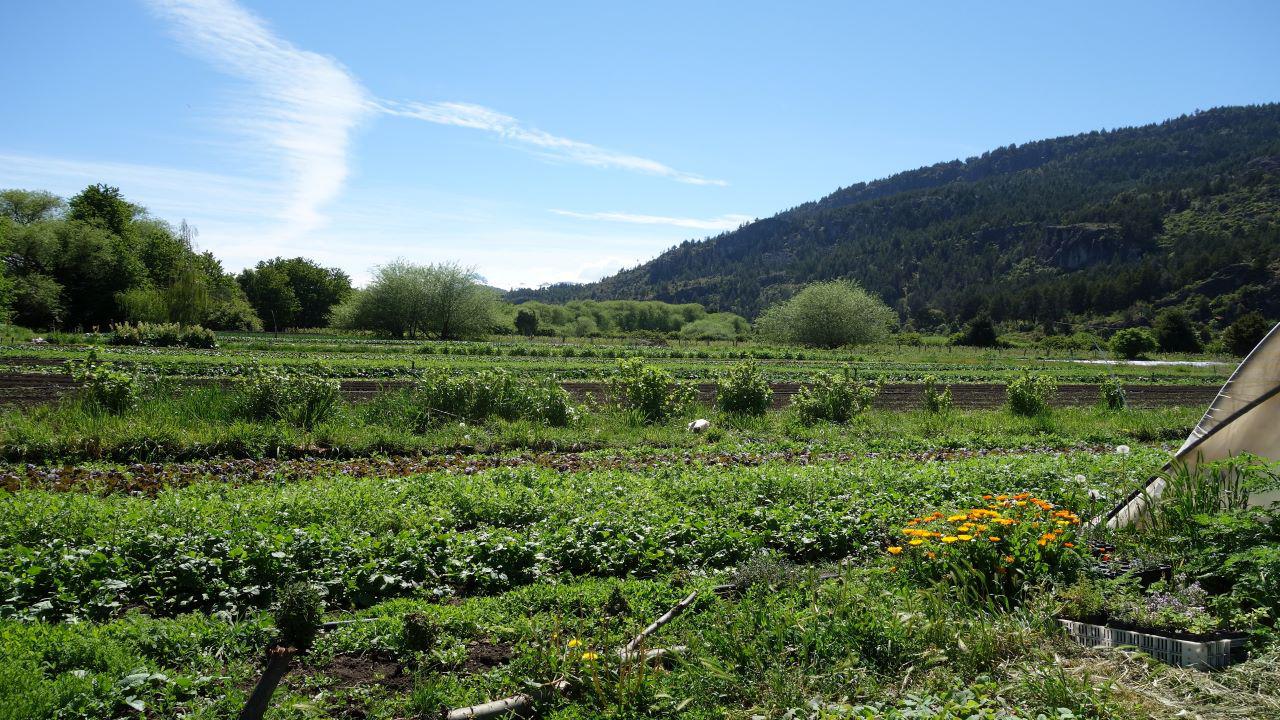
(212, 548)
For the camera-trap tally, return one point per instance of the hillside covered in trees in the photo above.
(1184, 213)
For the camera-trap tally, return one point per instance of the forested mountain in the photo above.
(1185, 212)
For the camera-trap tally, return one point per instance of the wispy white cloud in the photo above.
(478, 117)
(724, 222)
(165, 191)
(301, 107)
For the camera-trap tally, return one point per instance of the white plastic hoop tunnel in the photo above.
(1243, 418)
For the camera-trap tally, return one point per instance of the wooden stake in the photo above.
(278, 661)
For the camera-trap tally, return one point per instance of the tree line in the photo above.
(97, 259)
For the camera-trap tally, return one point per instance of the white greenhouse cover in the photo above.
(1244, 418)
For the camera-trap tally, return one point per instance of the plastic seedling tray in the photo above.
(1207, 654)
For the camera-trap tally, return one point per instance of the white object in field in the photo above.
(1243, 418)
(699, 425)
(1203, 655)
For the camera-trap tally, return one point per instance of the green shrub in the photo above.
(743, 390)
(1030, 394)
(936, 401)
(105, 389)
(649, 390)
(1111, 393)
(1175, 332)
(299, 398)
(1245, 333)
(1131, 343)
(834, 398)
(828, 314)
(298, 609)
(161, 335)
(979, 333)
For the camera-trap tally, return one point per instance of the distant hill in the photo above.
(1183, 212)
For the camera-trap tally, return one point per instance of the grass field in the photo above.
(145, 551)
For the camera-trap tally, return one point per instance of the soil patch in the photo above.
(348, 670)
(483, 655)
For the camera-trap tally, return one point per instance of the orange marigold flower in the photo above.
(994, 538)
(895, 550)
(949, 539)
(1008, 559)
(1070, 545)
(965, 538)
(917, 541)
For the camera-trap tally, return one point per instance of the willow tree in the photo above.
(444, 301)
(828, 314)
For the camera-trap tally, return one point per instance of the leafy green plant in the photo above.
(935, 400)
(650, 391)
(105, 388)
(1031, 393)
(743, 390)
(834, 398)
(1111, 393)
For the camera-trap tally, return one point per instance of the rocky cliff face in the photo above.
(1071, 247)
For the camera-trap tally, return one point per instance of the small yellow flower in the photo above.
(895, 550)
(958, 518)
(965, 538)
(917, 541)
(1008, 559)
(575, 643)
(949, 539)
(590, 657)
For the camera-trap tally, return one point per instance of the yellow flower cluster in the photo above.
(978, 524)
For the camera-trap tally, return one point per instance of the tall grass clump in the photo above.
(834, 398)
(650, 391)
(743, 390)
(298, 398)
(1031, 394)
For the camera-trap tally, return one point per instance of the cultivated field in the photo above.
(480, 521)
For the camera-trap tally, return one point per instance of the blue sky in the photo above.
(543, 142)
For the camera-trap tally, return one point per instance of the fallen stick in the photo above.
(649, 655)
(666, 618)
(278, 661)
(494, 708)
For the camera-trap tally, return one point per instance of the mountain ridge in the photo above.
(1081, 225)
